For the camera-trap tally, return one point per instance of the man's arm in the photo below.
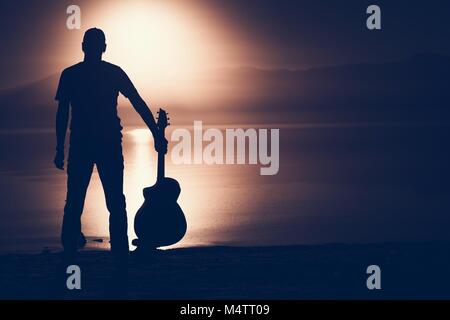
(144, 111)
(62, 120)
(127, 88)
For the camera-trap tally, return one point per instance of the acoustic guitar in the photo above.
(160, 221)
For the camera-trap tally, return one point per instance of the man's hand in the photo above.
(160, 143)
(59, 159)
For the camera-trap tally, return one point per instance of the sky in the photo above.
(231, 61)
(204, 34)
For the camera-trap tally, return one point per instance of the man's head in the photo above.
(94, 42)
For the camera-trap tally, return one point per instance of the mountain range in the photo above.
(412, 90)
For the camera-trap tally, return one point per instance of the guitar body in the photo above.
(160, 221)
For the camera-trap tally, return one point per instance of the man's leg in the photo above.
(79, 171)
(110, 169)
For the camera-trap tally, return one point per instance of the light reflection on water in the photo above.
(217, 200)
(335, 184)
(213, 199)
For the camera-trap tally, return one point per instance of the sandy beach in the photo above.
(408, 271)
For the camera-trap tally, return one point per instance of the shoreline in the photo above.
(333, 271)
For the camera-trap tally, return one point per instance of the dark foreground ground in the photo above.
(408, 271)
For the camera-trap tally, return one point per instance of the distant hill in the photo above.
(30, 105)
(414, 89)
(411, 90)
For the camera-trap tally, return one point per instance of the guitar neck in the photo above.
(161, 164)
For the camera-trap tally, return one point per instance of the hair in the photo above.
(94, 36)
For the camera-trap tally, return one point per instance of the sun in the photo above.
(159, 45)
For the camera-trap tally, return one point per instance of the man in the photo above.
(90, 89)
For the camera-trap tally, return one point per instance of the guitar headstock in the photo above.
(162, 119)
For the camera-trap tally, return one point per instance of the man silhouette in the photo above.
(90, 90)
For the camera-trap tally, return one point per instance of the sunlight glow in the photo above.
(161, 47)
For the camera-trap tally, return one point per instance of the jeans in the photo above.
(106, 154)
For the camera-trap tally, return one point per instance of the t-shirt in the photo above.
(92, 89)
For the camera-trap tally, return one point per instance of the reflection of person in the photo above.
(91, 89)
